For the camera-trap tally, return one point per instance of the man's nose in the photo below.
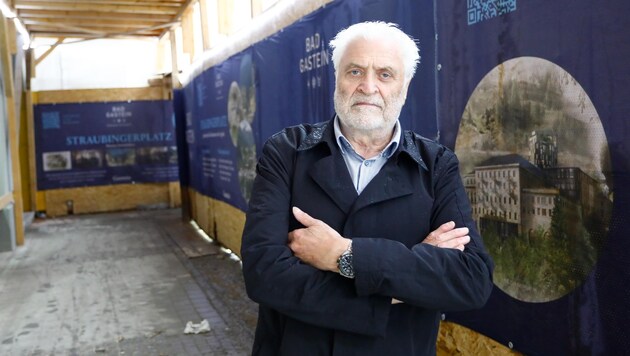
(368, 85)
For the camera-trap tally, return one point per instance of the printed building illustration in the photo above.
(512, 196)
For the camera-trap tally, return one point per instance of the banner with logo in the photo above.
(104, 143)
(287, 79)
(533, 99)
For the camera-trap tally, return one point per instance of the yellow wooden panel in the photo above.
(211, 229)
(25, 160)
(6, 200)
(455, 339)
(174, 192)
(97, 95)
(12, 36)
(229, 225)
(32, 166)
(106, 198)
(192, 194)
(201, 212)
(40, 201)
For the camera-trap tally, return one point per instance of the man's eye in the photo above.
(355, 72)
(386, 75)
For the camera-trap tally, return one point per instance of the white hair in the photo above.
(371, 30)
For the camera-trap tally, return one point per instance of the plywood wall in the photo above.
(97, 95)
(229, 225)
(107, 198)
(455, 339)
(219, 220)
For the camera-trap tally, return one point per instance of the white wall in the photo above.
(103, 63)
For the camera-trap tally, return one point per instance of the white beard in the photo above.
(368, 118)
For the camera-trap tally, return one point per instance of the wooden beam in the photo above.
(49, 51)
(226, 16)
(205, 24)
(153, 31)
(64, 26)
(75, 28)
(188, 36)
(257, 8)
(7, 76)
(12, 36)
(164, 55)
(87, 23)
(180, 13)
(32, 159)
(5, 200)
(90, 15)
(83, 37)
(176, 3)
(88, 6)
(175, 68)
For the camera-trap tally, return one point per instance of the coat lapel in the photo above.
(393, 181)
(331, 174)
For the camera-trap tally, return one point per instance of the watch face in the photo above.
(346, 267)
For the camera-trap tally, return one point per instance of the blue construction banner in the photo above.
(533, 97)
(92, 144)
(232, 108)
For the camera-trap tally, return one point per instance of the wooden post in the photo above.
(30, 129)
(226, 15)
(257, 8)
(188, 43)
(177, 84)
(205, 24)
(7, 75)
(174, 65)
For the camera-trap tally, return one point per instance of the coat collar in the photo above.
(331, 174)
(323, 132)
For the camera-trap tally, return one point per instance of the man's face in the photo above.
(371, 87)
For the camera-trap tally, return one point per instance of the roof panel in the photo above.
(99, 18)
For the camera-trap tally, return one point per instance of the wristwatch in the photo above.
(344, 263)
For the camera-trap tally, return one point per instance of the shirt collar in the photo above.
(345, 146)
(322, 132)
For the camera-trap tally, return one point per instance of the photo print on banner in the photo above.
(536, 166)
(241, 110)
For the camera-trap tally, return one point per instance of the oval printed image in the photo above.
(536, 166)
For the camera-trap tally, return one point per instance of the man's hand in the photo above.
(317, 244)
(447, 236)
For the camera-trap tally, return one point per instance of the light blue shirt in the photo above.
(363, 170)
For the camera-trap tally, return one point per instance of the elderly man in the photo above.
(349, 245)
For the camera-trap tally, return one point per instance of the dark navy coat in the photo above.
(305, 311)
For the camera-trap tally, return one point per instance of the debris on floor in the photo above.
(192, 328)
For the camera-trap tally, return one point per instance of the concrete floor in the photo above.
(122, 283)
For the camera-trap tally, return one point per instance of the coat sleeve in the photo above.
(275, 278)
(427, 276)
